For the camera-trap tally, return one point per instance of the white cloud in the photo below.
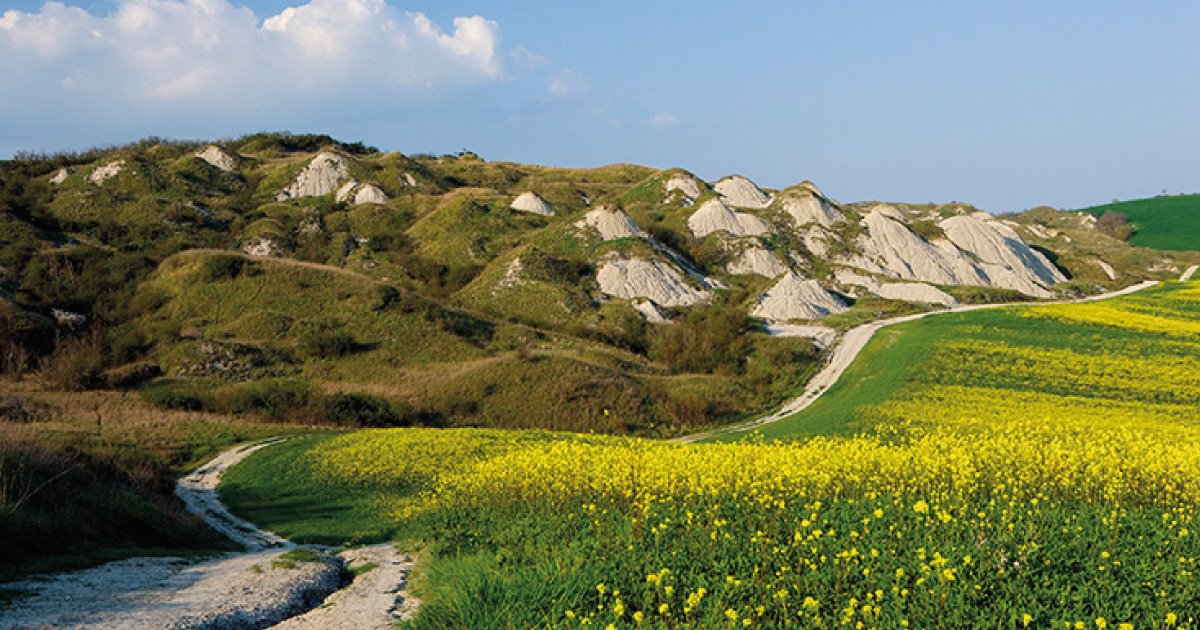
(662, 120)
(567, 84)
(528, 58)
(211, 54)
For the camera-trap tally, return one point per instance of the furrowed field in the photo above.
(1037, 467)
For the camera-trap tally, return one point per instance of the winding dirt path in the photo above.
(253, 589)
(853, 341)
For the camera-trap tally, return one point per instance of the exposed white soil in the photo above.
(649, 311)
(532, 203)
(822, 336)
(369, 193)
(108, 171)
(816, 240)
(409, 180)
(1007, 260)
(688, 186)
(1188, 273)
(793, 297)
(740, 192)
(1107, 269)
(756, 260)
(715, 216)
(512, 277)
(244, 590)
(977, 251)
(345, 191)
(630, 278)
(915, 292)
(807, 208)
(320, 177)
(848, 347)
(59, 176)
(217, 158)
(889, 248)
(610, 223)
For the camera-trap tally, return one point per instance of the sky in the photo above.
(1005, 105)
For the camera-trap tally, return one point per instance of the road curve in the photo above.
(852, 342)
(256, 588)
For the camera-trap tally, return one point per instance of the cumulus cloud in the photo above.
(220, 57)
(662, 120)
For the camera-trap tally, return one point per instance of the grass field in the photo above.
(1027, 467)
(1162, 222)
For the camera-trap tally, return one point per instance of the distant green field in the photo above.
(1162, 222)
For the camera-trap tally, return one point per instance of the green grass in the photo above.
(277, 489)
(882, 369)
(1168, 222)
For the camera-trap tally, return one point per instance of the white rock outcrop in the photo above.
(889, 248)
(903, 291)
(59, 176)
(262, 246)
(715, 216)
(807, 208)
(817, 240)
(1006, 260)
(532, 203)
(648, 311)
(359, 194)
(977, 251)
(108, 171)
(915, 292)
(369, 193)
(217, 158)
(320, 177)
(630, 278)
(687, 185)
(756, 260)
(1107, 269)
(409, 180)
(793, 297)
(740, 192)
(343, 193)
(611, 223)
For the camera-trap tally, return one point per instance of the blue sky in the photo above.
(1006, 106)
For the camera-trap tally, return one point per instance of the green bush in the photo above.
(274, 399)
(711, 339)
(326, 345)
(362, 410)
(222, 267)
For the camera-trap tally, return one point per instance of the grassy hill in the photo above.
(1166, 222)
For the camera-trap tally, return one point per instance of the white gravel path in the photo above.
(243, 590)
(848, 347)
(1188, 273)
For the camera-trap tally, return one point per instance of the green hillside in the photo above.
(1162, 222)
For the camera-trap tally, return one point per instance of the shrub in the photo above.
(76, 364)
(710, 339)
(362, 410)
(323, 345)
(221, 267)
(1116, 225)
(171, 395)
(275, 399)
(929, 230)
